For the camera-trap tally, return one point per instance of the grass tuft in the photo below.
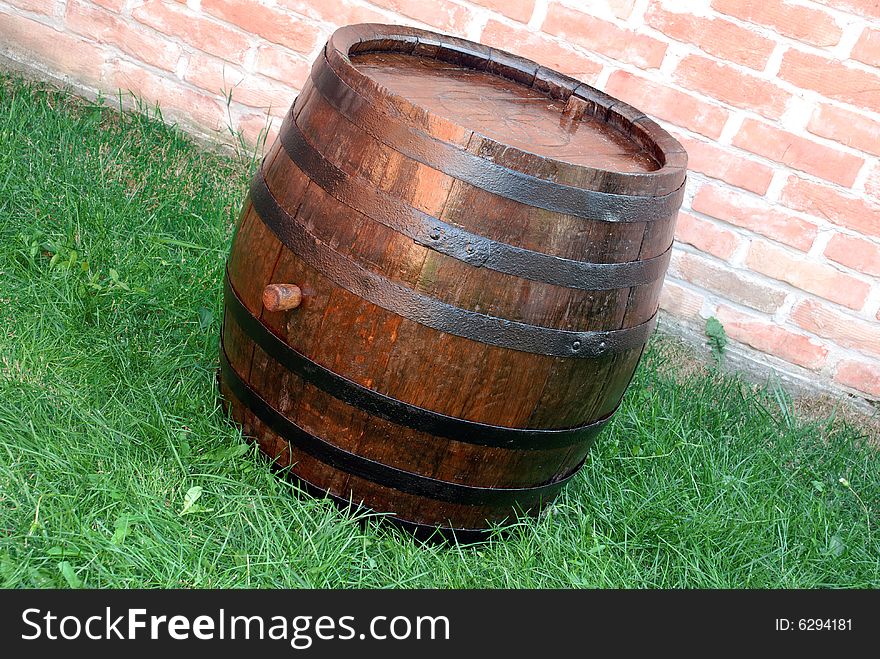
(118, 469)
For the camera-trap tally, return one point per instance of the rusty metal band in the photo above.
(377, 472)
(483, 173)
(431, 312)
(478, 251)
(398, 411)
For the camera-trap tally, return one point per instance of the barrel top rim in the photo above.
(664, 148)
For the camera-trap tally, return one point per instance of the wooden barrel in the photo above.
(444, 276)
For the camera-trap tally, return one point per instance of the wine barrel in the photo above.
(443, 277)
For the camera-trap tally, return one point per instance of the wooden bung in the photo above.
(282, 297)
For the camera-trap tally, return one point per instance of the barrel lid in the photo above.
(507, 109)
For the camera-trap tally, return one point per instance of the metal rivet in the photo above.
(576, 346)
(602, 346)
(435, 234)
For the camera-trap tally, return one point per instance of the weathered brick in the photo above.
(831, 78)
(281, 65)
(439, 13)
(844, 329)
(716, 36)
(726, 282)
(541, 49)
(217, 77)
(856, 253)
(518, 10)
(732, 86)
(847, 127)
(198, 31)
(867, 48)
(769, 337)
(268, 22)
(861, 8)
(807, 275)
(680, 301)
(176, 100)
(755, 215)
(824, 201)
(106, 27)
(45, 7)
(798, 152)
(863, 376)
(60, 52)
(805, 24)
(338, 12)
(724, 164)
(706, 236)
(253, 125)
(872, 183)
(604, 37)
(668, 104)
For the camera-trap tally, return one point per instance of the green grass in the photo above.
(112, 246)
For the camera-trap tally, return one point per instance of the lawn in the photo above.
(115, 229)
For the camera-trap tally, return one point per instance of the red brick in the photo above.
(338, 12)
(845, 330)
(270, 23)
(604, 37)
(861, 8)
(798, 152)
(105, 27)
(805, 24)
(867, 48)
(669, 104)
(540, 48)
(819, 200)
(831, 78)
(217, 77)
(719, 37)
(728, 283)
(731, 86)
(755, 215)
(706, 236)
(518, 10)
(59, 52)
(200, 32)
(807, 275)
(439, 13)
(856, 253)
(280, 65)
(847, 127)
(770, 338)
(680, 301)
(861, 375)
(176, 100)
(45, 7)
(724, 164)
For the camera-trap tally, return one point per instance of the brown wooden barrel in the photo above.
(476, 245)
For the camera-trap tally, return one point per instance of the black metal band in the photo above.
(382, 474)
(429, 311)
(398, 411)
(478, 251)
(483, 173)
(423, 532)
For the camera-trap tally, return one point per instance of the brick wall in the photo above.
(776, 101)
